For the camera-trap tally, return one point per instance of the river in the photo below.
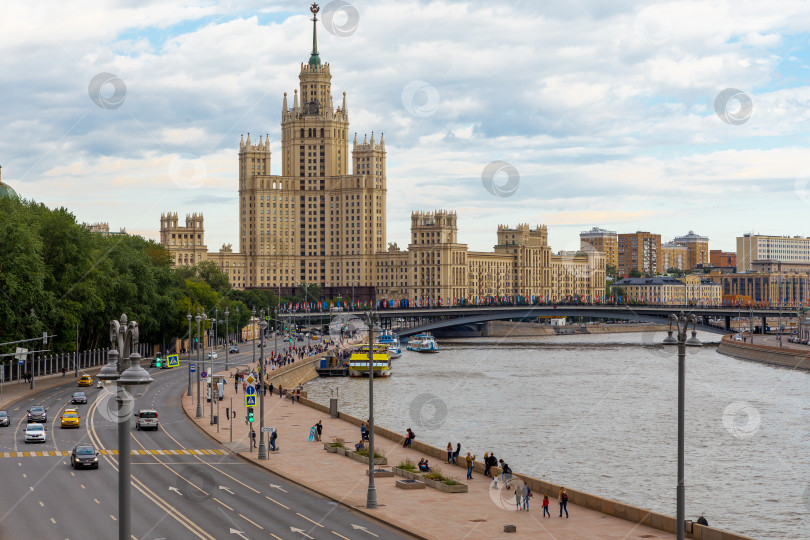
(598, 413)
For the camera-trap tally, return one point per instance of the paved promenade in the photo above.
(479, 514)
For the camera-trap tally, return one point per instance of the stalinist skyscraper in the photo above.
(316, 223)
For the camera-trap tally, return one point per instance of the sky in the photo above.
(657, 116)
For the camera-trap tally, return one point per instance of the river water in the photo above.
(598, 413)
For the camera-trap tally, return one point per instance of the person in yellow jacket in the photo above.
(470, 463)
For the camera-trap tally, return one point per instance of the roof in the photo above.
(7, 191)
(661, 280)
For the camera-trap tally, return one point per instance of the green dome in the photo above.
(7, 191)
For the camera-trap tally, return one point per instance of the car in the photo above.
(34, 433)
(5, 419)
(37, 413)
(84, 455)
(99, 384)
(233, 349)
(86, 380)
(78, 397)
(300, 338)
(70, 418)
(212, 356)
(313, 336)
(146, 419)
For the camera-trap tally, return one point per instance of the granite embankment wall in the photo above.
(523, 329)
(778, 356)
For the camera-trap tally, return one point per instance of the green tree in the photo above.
(611, 271)
(634, 273)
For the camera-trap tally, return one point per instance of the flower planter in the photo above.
(331, 449)
(363, 459)
(435, 484)
(409, 484)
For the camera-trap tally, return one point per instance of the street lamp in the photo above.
(198, 318)
(682, 324)
(216, 331)
(239, 329)
(262, 447)
(227, 338)
(371, 497)
(125, 336)
(253, 332)
(188, 353)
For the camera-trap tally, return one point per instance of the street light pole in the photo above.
(262, 447)
(682, 323)
(238, 329)
(371, 497)
(227, 338)
(188, 353)
(253, 332)
(216, 331)
(198, 318)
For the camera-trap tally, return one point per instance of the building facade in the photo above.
(674, 256)
(722, 259)
(757, 247)
(771, 289)
(697, 249)
(602, 240)
(691, 290)
(640, 250)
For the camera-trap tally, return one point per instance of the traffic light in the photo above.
(157, 362)
(250, 414)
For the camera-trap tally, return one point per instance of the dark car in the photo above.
(5, 419)
(84, 455)
(233, 349)
(78, 397)
(300, 338)
(38, 413)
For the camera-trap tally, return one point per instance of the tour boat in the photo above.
(358, 362)
(394, 350)
(423, 343)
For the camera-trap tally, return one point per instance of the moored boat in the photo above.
(423, 343)
(392, 341)
(358, 362)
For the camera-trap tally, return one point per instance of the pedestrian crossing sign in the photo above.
(172, 360)
(250, 401)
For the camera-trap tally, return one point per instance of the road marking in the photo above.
(113, 517)
(97, 501)
(42, 504)
(82, 485)
(223, 504)
(251, 521)
(277, 538)
(25, 475)
(301, 532)
(53, 521)
(360, 527)
(278, 503)
(340, 535)
(306, 518)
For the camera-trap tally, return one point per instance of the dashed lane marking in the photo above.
(311, 521)
(156, 452)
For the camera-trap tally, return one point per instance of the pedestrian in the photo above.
(280, 392)
(298, 394)
(273, 436)
(244, 385)
(64, 371)
(264, 389)
(363, 432)
(456, 453)
(449, 452)
(319, 428)
(506, 473)
(470, 463)
(545, 506)
(518, 498)
(409, 437)
(235, 385)
(527, 492)
(563, 498)
(292, 396)
(493, 462)
(253, 436)
(271, 388)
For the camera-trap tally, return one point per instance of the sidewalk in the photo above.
(479, 514)
(14, 391)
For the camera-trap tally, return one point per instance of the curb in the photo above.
(395, 525)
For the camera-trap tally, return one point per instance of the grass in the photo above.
(364, 453)
(337, 444)
(451, 482)
(407, 465)
(436, 474)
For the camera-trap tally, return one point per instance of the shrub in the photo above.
(451, 482)
(337, 444)
(407, 465)
(364, 453)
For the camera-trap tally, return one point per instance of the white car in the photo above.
(212, 356)
(34, 433)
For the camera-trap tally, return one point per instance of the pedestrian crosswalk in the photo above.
(157, 452)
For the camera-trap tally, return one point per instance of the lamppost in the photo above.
(238, 330)
(371, 497)
(188, 353)
(227, 338)
(198, 318)
(253, 332)
(125, 336)
(682, 324)
(262, 447)
(216, 330)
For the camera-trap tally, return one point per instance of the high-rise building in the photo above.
(674, 256)
(752, 248)
(698, 249)
(602, 240)
(641, 251)
(722, 259)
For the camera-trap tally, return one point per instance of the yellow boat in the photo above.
(358, 362)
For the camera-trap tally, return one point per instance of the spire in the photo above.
(248, 139)
(372, 138)
(242, 141)
(345, 110)
(382, 139)
(295, 99)
(314, 59)
(284, 109)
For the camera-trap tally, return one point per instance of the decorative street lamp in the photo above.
(239, 329)
(188, 353)
(253, 332)
(371, 497)
(198, 318)
(262, 447)
(124, 368)
(227, 338)
(216, 331)
(682, 324)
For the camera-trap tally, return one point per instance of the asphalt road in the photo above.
(173, 496)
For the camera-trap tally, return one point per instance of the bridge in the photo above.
(410, 321)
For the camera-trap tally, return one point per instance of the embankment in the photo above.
(778, 356)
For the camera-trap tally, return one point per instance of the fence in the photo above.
(39, 365)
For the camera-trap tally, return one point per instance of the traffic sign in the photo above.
(267, 429)
(250, 401)
(250, 390)
(192, 367)
(203, 375)
(250, 379)
(172, 360)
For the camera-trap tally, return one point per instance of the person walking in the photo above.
(563, 498)
(292, 396)
(456, 453)
(518, 499)
(319, 429)
(280, 392)
(470, 463)
(506, 473)
(527, 492)
(546, 513)
(449, 452)
(270, 389)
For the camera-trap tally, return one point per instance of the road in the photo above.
(177, 494)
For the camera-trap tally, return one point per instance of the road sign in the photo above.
(250, 401)
(250, 390)
(192, 367)
(267, 429)
(203, 375)
(250, 379)
(172, 360)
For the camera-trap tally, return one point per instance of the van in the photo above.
(146, 419)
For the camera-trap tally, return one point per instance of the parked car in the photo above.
(146, 419)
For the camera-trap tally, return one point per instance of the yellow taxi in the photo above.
(70, 418)
(86, 380)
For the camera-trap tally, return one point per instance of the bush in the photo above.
(337, 444)
(407, 465)
(364, 453)
(451, 482)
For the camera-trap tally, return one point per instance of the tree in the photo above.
(611, 271)
(634, 273)
(677, 272)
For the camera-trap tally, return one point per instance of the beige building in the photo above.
(692, 290)
(697, 249)
(674, 256)
(771, 289)
(640, 250)
(319, 223)
(756, 247)
(602, 240)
